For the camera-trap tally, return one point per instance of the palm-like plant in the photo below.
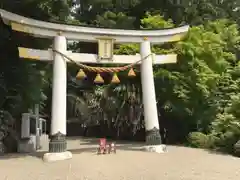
(118, 107)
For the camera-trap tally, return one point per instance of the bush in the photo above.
(226, 142)
(200, 140)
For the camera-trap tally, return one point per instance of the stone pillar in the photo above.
(25, 126)
(58, 144)
(153, 138)
(237, 148)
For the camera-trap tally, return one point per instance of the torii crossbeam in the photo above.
(47, 55)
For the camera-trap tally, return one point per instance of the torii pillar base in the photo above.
(52, 157)
(155, 148)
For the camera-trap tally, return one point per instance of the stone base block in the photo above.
(26, 146)
(156, 148)
(51, 157)
(237, 148)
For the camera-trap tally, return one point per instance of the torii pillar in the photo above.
(58, 144)
(153, 138)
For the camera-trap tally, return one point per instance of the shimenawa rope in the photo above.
(101, 69)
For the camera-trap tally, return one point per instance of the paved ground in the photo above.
(129, 163)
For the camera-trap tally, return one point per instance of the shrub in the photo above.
(200, 140)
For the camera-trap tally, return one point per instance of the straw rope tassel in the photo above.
(115, 79)
(98, 79)
(81, 74)
(131, 73)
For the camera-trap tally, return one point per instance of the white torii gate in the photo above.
(60, 34)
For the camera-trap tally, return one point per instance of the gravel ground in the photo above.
(179, 163)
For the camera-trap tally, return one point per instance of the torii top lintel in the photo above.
(89, 34)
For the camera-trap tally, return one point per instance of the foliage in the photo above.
(155, 22)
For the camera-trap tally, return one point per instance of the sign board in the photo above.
(105, 48)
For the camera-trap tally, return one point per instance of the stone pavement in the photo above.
(179, 163)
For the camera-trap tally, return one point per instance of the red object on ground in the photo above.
(102, 149)
(102, 142)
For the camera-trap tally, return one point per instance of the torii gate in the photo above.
(60, 34)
